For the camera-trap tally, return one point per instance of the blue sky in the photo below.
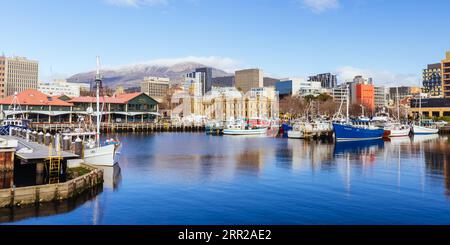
(388, 40)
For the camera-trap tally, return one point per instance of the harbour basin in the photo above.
(193, 178)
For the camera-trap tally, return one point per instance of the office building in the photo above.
(288, 86)
(193, 83)
(155, 87)
(327, 80)
(431, 107)
(339, 93)
(62, 87)
(248, 79)
(17, 74)
(205, 78)
(2, 76)
(362, 92)
(380, 96)
(432, 84)
(445, 68)
(403, 92)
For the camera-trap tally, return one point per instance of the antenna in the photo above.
(97, 77)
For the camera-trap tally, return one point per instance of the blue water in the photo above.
(193, 178)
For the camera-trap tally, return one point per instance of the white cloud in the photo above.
(380, 77)
(223, 63)
(318, 6)
(136, 3)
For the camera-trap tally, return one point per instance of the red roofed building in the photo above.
(39, 107)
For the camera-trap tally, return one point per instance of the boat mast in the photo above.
(398, 105)
(346, 102)
(98, 81)
(420, 108)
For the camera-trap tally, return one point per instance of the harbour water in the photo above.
(193, 178)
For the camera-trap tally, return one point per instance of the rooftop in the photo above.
(34, 97)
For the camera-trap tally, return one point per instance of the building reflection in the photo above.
(437, 161)
(250, 161)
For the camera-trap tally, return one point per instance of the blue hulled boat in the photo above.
(285, 127)
(355, 131)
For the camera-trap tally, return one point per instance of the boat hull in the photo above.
(295, 134)
(399, 132)
(350, 133)
(424, 130)
(259, 131)
(103, 155)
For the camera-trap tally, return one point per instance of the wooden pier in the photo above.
(121, 127)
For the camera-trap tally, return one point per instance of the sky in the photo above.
(389, 40)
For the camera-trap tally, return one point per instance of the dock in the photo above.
(121, 127)
(29, 151)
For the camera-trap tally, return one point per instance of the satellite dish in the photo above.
(90, 110)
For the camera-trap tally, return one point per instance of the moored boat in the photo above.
(351, 131)
(398, 130)
(420, 129)
(244, 131)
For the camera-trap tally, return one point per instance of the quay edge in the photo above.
(31, 195)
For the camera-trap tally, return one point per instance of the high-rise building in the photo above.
(2, 76)
(193, 82)
(327, 80)
(445, 68)
(432, 84)
(17, 74)
(380, 96)
(155, 87)
(248, 79)
(206, 78)
(362, 92)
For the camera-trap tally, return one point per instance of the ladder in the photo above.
(54, 162)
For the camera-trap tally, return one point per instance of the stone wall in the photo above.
(51, 192)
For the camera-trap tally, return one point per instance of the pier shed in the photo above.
(31, 165)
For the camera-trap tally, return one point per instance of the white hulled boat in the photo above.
(424, 126)
(398, 130)
(240, 127)
(94, 153)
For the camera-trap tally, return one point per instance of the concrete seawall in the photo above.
(52, 192)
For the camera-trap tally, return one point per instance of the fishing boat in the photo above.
(296, 132)
(18, 119)
(241, 127)
(356, 129)
(95, 153)
(304, 129)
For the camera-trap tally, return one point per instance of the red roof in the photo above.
(34, 97)
(118, 99)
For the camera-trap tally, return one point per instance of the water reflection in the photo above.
(112, 176)
(48, 209)
(359, 150)
(184, 178)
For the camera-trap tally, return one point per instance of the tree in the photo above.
(292, 105)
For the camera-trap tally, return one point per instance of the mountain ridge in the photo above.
(132, 75)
